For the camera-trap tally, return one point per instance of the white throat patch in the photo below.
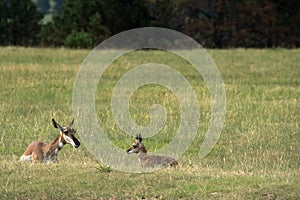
(60, 144)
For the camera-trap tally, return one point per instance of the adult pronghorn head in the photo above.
(67, 133)
(137, 146)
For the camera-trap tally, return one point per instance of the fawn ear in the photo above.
(139, 137)
(56, 125)
(72, 122)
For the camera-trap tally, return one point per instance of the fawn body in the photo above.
(42, 152)
(150, 160)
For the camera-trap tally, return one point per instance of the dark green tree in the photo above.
(3, 23)
(122, 15)
(224, 23)
(79, 24)
(288, 25)
(58, 5)
(215, 23)
(166, 13)
(20, 22)
(43, 5)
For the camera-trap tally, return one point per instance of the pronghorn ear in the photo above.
(139, 137)
(56, 125)
(72, 122)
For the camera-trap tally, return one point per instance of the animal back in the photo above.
(154, 161)
(34, 147)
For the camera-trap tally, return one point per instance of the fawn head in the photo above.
(137, 146)
(67, 133)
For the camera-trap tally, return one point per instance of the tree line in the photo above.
(213, 23)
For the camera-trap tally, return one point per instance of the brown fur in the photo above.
(42, 152)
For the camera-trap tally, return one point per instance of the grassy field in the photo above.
(256, 157)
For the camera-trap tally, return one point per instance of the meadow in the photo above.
(256, 157)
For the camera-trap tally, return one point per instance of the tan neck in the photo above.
(142, 155)
(143, 150)
(55, 146)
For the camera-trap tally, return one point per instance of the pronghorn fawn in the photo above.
(149, 160)
(42, 152)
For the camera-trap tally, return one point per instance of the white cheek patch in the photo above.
(133, 150)
(129, 152)
(69, 140)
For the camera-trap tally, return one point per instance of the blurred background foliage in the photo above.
(214, 24)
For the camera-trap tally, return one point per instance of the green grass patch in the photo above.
(256, 157)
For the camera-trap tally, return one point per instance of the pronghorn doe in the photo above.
(42, 152)
(149, 160)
